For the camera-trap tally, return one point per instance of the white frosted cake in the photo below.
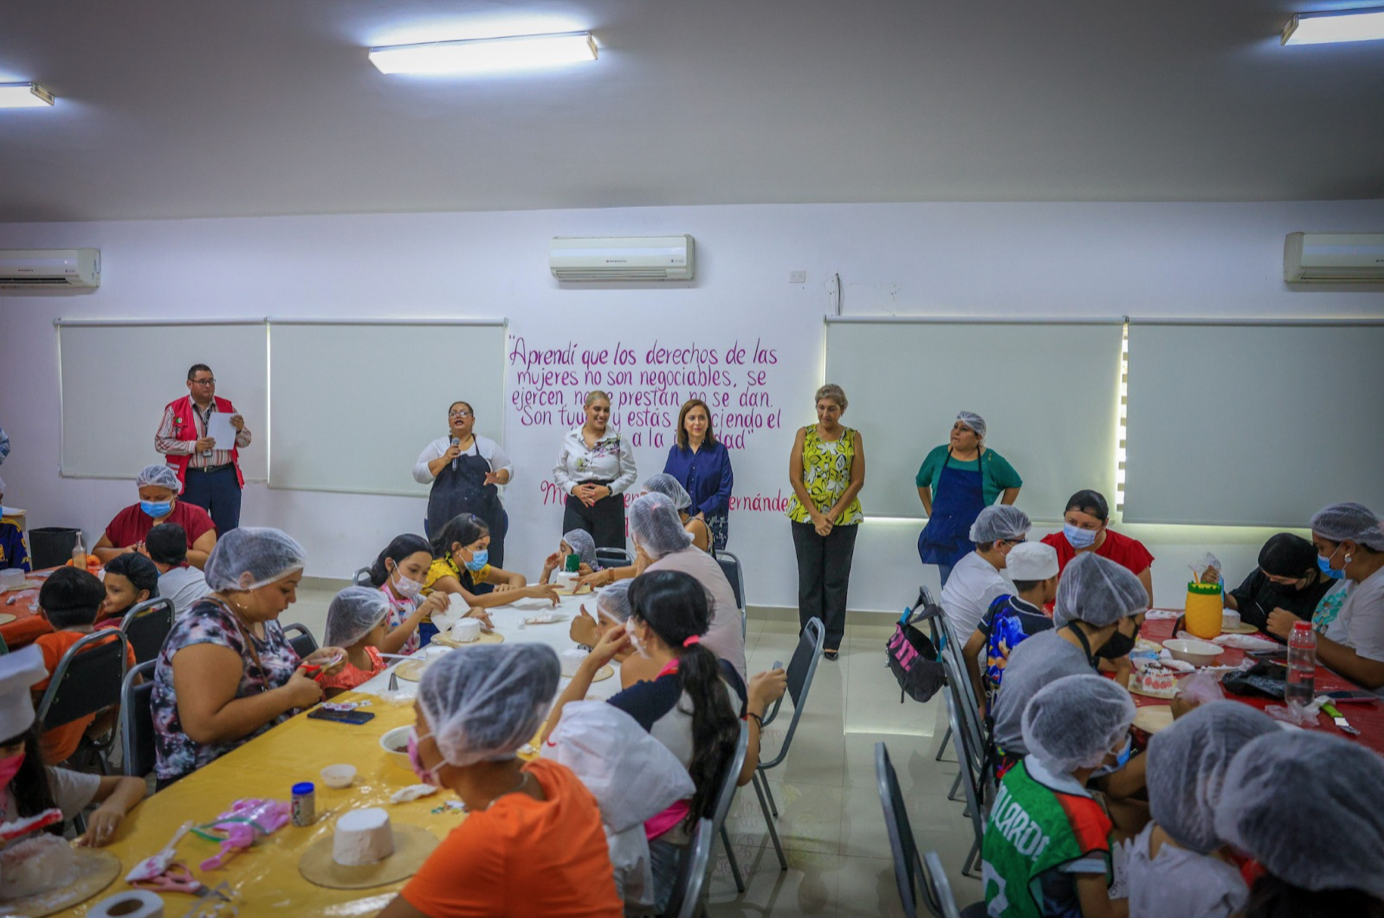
(363, 837)
(467, 630)
(36, 865)
(571, 659)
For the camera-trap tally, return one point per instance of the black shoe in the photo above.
(830, 654)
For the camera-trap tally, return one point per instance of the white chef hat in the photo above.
(1031, 561)
(18, 672)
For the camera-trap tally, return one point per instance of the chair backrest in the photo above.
(696, 862)
(361, 577)
(969, 716)
(137, 721)
(908, 868)
(146, 626)
(613, 557)
(87, 679)
(801, 670)
(940, 886)
(969, 779)
(300, 639)
(731, 566)
(726, 793)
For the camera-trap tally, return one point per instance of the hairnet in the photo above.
(614, 600)
(1187, 764)
(483, 703)
(582, 545)
(2, 486)
(1287, 555)
(1356, 522)
(353, 614)
(137, 569)
(1001, 521)
(248, 558)
(656, 527)
(1097, 591)
(160, 476)
(1310, 808)
(973, 421)
(666, 484)
(1075, 721)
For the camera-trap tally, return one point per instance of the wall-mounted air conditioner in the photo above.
(1333, 258)
(49, 269)
(641, 258)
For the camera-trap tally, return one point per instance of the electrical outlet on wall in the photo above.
(797, 277)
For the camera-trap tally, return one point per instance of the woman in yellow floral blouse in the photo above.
(827, 470)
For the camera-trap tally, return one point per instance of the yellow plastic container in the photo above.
(1203, 611)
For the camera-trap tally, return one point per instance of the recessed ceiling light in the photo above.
(1324, 28)
(24, 95)
(486, 55)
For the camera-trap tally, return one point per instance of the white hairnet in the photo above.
(1075, 721)
(1001, 521)
(1356, 522)
(1310, 808)
(582, 545)
(483, 703)
(353, 614)
(666, 484)
(2, 486)
(249, 557)
(614, 600)
(160, 476)
(973, 421)
(655, 525)
(1097, 591)
(1187, 764)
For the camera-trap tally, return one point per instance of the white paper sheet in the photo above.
(219, 429)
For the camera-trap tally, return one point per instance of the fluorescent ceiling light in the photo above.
(24, 95)
(1324, 28)
(486, 55)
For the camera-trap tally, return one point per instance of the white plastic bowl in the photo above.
(339, 776)
(1198, 653)
(395, 745)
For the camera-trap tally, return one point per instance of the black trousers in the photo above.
(824, 573)
(605, 520)
(218, 493)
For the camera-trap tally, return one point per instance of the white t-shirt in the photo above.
(72, 791)
(1180, 882)
(974, 584)
(183, 585)
(1360, 623)
(484, 447)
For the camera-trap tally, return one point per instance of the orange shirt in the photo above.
(523, 858)
(349, 675)
(59, 743)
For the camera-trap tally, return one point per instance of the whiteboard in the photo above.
(1049, 394)
(1250, 424)
(116, 378)
(354, 403)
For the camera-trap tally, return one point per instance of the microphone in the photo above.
(456, 441)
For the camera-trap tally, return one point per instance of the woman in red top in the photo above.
(1085, 529)
(158, 503)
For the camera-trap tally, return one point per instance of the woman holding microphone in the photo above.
(595, 467)
(464, 469)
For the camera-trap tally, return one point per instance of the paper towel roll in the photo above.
(137, 903)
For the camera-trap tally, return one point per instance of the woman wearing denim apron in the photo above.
(956, 481)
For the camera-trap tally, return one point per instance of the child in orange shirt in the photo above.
(70, 599)
(357, 620)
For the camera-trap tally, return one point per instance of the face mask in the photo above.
(1121, 759)
(425, 774)
(9, 767)
(155, 510)
(1119, 645)
(478, 561)
(409, 589)
(634, 640)
(1327, 569)
(1077, 537)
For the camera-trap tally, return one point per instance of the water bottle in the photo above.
(79, 554)
(1302, 664)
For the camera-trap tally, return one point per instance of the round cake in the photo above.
(36, 865)
(1157, 680)
(571, 659)
(363, 837)
(467, 630)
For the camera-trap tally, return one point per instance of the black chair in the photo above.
(86, 681)
(919, 879)
(696, 861)
(724, 796)
(613, 557)
(146, 626)
(137, 721)
(361, 577)
(300, 639)
(730, 566)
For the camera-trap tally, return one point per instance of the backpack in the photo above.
(910, 653)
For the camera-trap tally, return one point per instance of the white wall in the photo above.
(949, 259)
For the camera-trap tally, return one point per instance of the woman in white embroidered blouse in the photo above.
(594, 468)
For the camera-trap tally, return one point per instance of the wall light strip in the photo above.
(1326, 28)
(24, 95)
(486, 55)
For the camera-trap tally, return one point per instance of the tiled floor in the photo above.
(830, 821)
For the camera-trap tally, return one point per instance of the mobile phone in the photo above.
(341, 717)
(1353, 696)
(778, 664)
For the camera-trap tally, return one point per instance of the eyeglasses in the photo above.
(458, 414)
(209, 381)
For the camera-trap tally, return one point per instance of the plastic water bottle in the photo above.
(79, 554)
(1302, 665)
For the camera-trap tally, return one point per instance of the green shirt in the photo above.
(996, 474)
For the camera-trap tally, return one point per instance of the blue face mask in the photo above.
(1325, 564)
(156, 510)
(479, 559)
(1077, 537)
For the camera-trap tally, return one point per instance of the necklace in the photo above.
(523, 779)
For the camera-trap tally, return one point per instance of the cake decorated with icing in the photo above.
(571, 660)
(36, 865)
(1156, 680)
(467, 631)
(363, 837)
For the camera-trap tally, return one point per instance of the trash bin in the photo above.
(51, 546)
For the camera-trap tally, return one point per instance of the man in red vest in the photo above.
(209, 472)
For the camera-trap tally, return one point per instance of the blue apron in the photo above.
(463, 490)
(958, 500)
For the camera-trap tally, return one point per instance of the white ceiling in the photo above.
(169, 108)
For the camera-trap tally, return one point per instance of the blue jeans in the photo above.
(664, 860)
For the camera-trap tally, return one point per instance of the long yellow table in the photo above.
(266, 875)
